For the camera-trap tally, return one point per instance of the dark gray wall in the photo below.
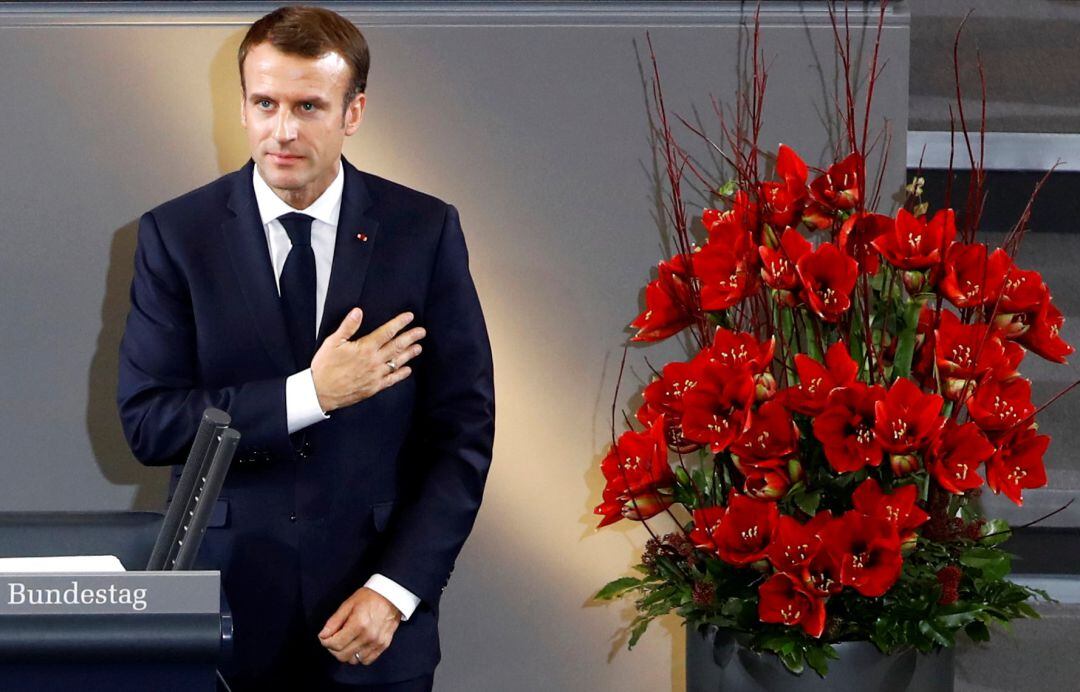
(1032, 66)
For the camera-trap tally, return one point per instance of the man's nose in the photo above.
(285, 127)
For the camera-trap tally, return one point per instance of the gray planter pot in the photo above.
(715, 661)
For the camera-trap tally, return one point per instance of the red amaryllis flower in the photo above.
(735, 229)
(846, 427)
(1043, 335)
(915, 244)
(964, 353)
(715, 410)
(907, 419)
(839, 188)
(791, 169)
(778, 265)
(748, 526)
(822, 575)
(827, 276)
(1022, 291)
(770, 433)
(897, 508)
(743, 349)
(971, 278)
(818, 380)
(664, 397)
(955, 455)
(1007, 367)
(868, 551)
(668, 303)
(706, 521)
(857, 236)
(726, 276)
(795, 544)
(740, 349)
(783, 200)
(1022, 295)
(638, 476)
(780, 206)
(1001, 405)
(784, 600)
(1017, 464)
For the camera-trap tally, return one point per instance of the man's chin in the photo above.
(281, 179)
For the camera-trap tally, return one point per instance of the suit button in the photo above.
(292, 517)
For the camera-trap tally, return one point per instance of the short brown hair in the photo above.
(311, 32)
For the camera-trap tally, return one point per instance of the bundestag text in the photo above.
(20, 594)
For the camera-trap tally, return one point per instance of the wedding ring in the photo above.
(390, 364)
(356, 655)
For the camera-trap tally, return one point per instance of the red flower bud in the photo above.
(903, 464)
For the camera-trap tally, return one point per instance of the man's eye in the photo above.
(264, 104)
(308, 107)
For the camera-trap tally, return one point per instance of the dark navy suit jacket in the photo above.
(389, 485)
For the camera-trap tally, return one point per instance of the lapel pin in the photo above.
(361, 237)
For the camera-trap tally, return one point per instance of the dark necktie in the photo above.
(298, 287)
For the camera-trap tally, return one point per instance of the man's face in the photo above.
(292, 111)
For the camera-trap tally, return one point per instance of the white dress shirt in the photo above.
(301, 401)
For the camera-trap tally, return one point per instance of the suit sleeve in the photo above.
(455, 422)
(159, 401)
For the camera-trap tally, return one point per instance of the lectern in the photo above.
(162, 628)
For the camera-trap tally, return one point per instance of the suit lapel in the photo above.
(245, 239)
(355, 242)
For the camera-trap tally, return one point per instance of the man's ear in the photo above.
(354, 114)
(243, 111)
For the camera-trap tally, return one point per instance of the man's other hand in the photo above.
(364, 624)
(346, 372)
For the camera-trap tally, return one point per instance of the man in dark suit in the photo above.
(283, 293)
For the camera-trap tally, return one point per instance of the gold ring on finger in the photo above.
(392, 365)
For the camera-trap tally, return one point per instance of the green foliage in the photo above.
(912, 614)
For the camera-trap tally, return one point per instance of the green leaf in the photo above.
(942, 638)
(994, 564)
(995, 531)
(1028, 611)
(638, 629)
(978, 631)
(793, 662)
(728, 188)
(957, 619)
(617, 587)
(658, 596)
(808, 502)
(818, 659)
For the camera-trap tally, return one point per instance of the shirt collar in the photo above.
(327, 208)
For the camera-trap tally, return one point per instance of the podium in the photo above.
(171, 636)
(162, 628)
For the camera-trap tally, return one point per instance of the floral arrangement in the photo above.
(853, 382)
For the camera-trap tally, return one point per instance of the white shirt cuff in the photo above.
(301, 401)
(402, 598)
